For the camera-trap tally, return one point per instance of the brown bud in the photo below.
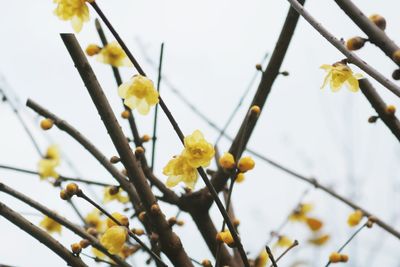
(284, 73)
(115, 159)
(344, 258)
(373, 119)
(373, 218)
(255, 110)
(396, 74)
(138, 232)
(92, 50)
(142, 216)
(172, 221)
(124, 220)
(76, 248)
(379, 21)
(92, 231)
(155, 209)
(355, 43)
(206, 263)
(139, 151)
(369, 224)
(84, 243)
(113, 190)
(154, 237)
(236, 222)
(146, 138)
(64, 195)
(258, 67)
(46, 124)
(72, 189)
(396, 56)
(125, 114)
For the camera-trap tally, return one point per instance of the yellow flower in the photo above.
(227, 161)
(226, 237)
(178, 170)
(118, 196)
(74, 10)
(139, 92)
(262, 259)
(320, 240)
(119, 217)
(339, 74)
(93, 219)
(198, 151)
(97, 253)
(47, 165)
(240, 177)
(314, 224)
(246, 164)
(355, 218)
(114, 55)
(284, 241)
(114, 239)
(300, 213)
(50, 225)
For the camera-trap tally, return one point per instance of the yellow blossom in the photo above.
(246, 164)
(240, 177)
(139, 92)
(74, 10)
(178, 170)
(114, 55)
(262, 259)
(339, 74)
(50, 225)
(320, 240)
(314, 224)
(227, 161)
(119, 196)
(119, 217)
(114, 239)
(97, 253)
(300, 213)
(284, 241)
(93, 219)
(47, 165)
(198, 151)
(355, 218)
(226, 237)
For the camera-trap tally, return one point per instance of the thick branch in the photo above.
(41, 236)
(380, 107)
(374, 33)
(170, 242)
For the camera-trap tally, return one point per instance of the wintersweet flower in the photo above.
(240, 177)
(227, 161)
(50, 225)
(339, 74)
(98, 253)
(76, 11)
(320, 240)
(93, 219)
(314, 224)
(262, 259)
(178, 170)
(198, 151)
(122, 219)
(284, 241)
(246, 164)
(114, 55)
(226, 237)
(140, 93)
(114, 239)
(355, 218)
(119, 196)
(300, 213)
(47, 165)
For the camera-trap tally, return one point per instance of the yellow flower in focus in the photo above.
(320, 240)
(47, 165)
(300, 213)
(226, 237)
(178, 170)
(114, 239)
(114, 55)
(93, 219)
(50, 225)
(284, 242)
(74, 10)
(339, 74)
(262, 259)
(227, 161)
(355, 218)
(140, 93)
(198, 151)
(314, 224)
(119, 217)
(246, 164)
(119, 196)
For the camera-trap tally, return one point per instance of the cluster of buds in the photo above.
(71, 190)
(227, 162)
(336, 257)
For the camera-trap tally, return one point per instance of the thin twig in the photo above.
(351, 57)
(295, 243)
(271, 256)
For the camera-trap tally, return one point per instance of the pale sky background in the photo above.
(211, 48)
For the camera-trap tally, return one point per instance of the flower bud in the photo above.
(146, 138)
(344, 258)
(125, 114)
(227, 161)
(255, 110)
(396, 56)
(139, 151)
(245, 164)
(396, 74)
(206, 263)
(46, 124)
(72, 189)
(76, 248)
(355, 43)
(64, 195)
(240, 177)
(84, 243)
(113, 190)
(390, 110)
(258, 67)
(92, 50)
(115, 159)
(373, 119)
(334, 257)
(138, 232)
(379, 21)
(142, 216)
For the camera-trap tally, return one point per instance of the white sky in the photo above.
(211, 48)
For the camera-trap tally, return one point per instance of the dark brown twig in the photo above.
(271, 256)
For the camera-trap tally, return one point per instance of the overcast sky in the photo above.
(211, 48)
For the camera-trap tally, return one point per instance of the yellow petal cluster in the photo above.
(114, 55)
(339, 74)
(301, 212)
(114, 239)
(355, 218)
(240, 177)
(178, 170)
(227, 161)
(120, 196)
(319, 240)
(76, 11)
(226, 237)
(47, 165)
(119, 217)
(50, 225)
(93, 219)
(139, 93)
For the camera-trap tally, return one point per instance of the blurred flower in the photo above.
(74, 10)
(198, 151)
(300, 213)
(314, 224)
(93, 219)
(139, 92)
(339, 74)
(284, 241)
(262, 259)
(114, 239)
(97, 253)
(355, 218)
(47, 165)
(50, 225)
(320, 240)
(226, 237)
(122, 219)
(119, 196)
(178, 170)
(114, 55)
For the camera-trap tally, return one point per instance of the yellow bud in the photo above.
(125, 114)
(396, 56)
(227, 161)
(142, 216)
(334, 257)
(255, 109)
(138, 232)
(76, 248)
(92, 231)
(344, 258)
(139, 151)
(84, 243)
(92, 50)
(240, 177)
(155, 209)
(355, 218)
(46, 124)
(72, 189)
(226, 237)
(245, 164)
(355, 43)
(379, 21)
(64, 195)
(180, 223)
(146, 138)
(206, 263)
(390, 110)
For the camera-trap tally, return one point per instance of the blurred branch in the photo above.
(374, 33)
(380, 107)
(170, 242)
(61, 220)
(41, 236)
(351, 57)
